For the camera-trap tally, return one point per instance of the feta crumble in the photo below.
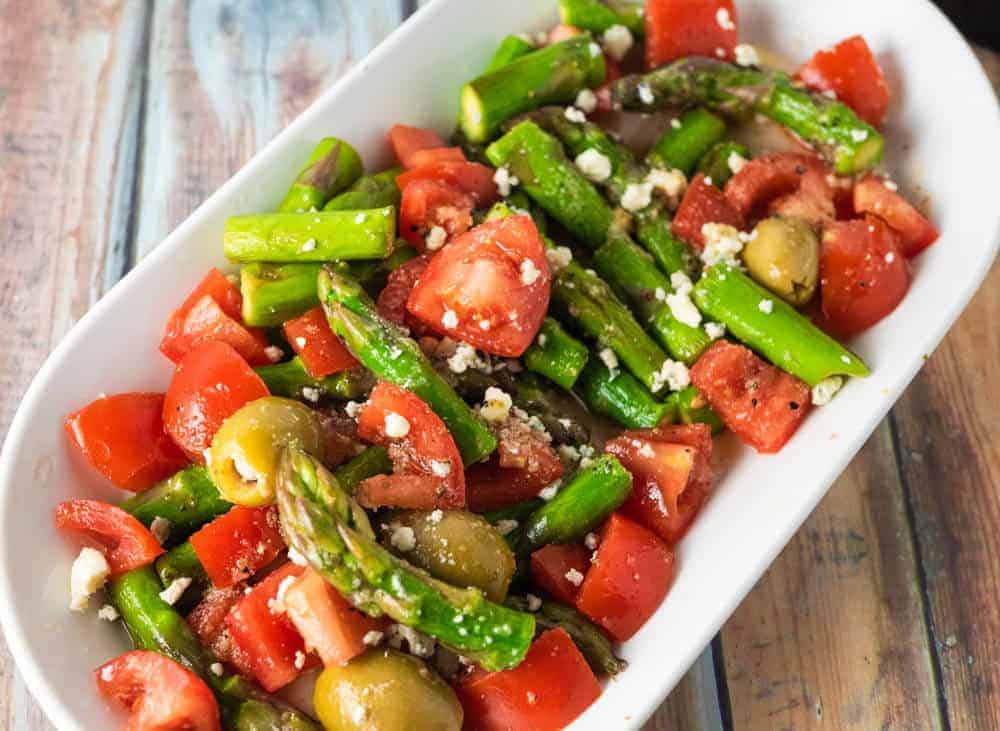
(308, 246)
(504, 180)
(735, 162)
(352, 409)
(574, 577)
(274, 353)
(575, 115)
(464, 358)
(311, 394)
(824, 391)
(435, 238)
(859, 135)
(675, 123)
(715, 330)
(637, 196)
(300, 342)
(590, 540)
(724, 19)
(505, 527)
(681, 283)
(300, 659)
(683, 309)
(722, 244)
(440, 468)
(403, 538)
(594, 165)
(108, 613)
(90, 571)
(396, 426)
(160, 528)
(372, 637)
(496, 405)
(529, 272)
(534, 603)
(671, 182)
(586, 100)
(559, 257)
(449, 319)
(550, 491)
(746, 55)
(617, 41)
(646, 94)
(296, 558)
(176, 590)
(890, 185)
(673, 374)
(766, 306)
(216, 669)
(608, 357)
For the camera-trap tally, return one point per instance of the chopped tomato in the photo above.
(409, 492)
(235, 546)
(160, 693)
(209, 385)
(217, 286)
(123, 437)
(628, 579)
(795, 183)
(420, 158)
(850, 70)
(703, 203)
(407, 140)
(562, 32)
(427, 204)
(524, 463)
(322, 352)
(550, 688)
(127, 544)
(488, 288)
(679, 28)
(208, 622)
(266, 637)
(392, 299)
(419, 444)
(329, 624)
(916, 233)
(469, 177)
(671, 476)
(553, 566)
(760, 403)
(862, 274)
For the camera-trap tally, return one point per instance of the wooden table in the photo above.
(117, 118)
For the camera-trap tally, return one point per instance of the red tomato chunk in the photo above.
(916, 233)
(703, 203)
(790, 183)
(235, 546)
(322, 352)
(127, 543)
(679, 28)
(850, 71)
(559, 569)
(406, 141)
(523, 464)
(208, 622)
(427, 204)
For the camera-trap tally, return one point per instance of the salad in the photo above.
(430, 451)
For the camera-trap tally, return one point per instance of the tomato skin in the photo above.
(863, 275)
(776, 179)
(329, 624)
(672, 476)
(916, 233)
(850, 70)
(428, 203)
(161, 694)
(703, 203)
(426, 445)
(419, 158)
(406, 141)
(469, 177)
(127, 543)
(480, 277)
(208, 621)
(758, 402)
(678, 28)
(234, 546)
(322, 352)
(523, 464)
(391, 303)
(209, 385)
(268, 640)
(123, 437)
(550, 564)
(550, 688)
(628, 579)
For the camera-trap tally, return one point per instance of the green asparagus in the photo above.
(621, 397)
(556, 354)
(597, 16)
(717, 163)
(181, 562)
(510, 49)
(671, 254)
(369, 191)
(392, 356)
(275, 293)
(684, 144)
(305, 237)
(552, 75)
(373, 461)
(324, 524)
(773, 327)
(188, 499)
(333, 166)
(690, 407)
(291, 380)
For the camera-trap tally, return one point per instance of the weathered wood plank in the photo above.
(834, 636)
(224, 78)
(694, 704)
(70, 86)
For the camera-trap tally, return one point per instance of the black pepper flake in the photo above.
(793, 405)
(753, 402)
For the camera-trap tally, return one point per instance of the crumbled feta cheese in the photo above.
(529, 272)
(724, 19)
(594, 165)
(829, 94)
(568, 453)
(542, 339)
(890, 257)
(352, 409)
(675, 123)
(300, 659)
(283, 587)
(617, 41)
(708, 180)
(441, 468)
(176, 590)
(722, 244)
(504, 180)
(890, 185)
(216, 669)
(449, 319)
(647, 451)
(504, 527)
(485, 325)
(90, 571)
(574, 577)
(396, 425)
(673, 374)
(660, 294)
(534, 603)
(435, 238)
(575, 115)
(308, 246)
(108, 613)
(671, 182)
(746, 55)
(418, 643)
(160, 528)
(735, 162)
(311, 394)
(590, 540)
(550, 491)
(274, 353)
(586, 101)
(766, 306)
(681, 282)
(683, 309)
(608, 357)
(720, 52)
(559, 257)
(496, 405)
(859, 135)
(824, 391)
(108, 673)
(403, 538)
(637, 196)
(645, 94)
(372, 637)
(715, 330)
(300, 342)
(595, 50)
(463, 358)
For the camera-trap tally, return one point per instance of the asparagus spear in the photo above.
(671, 254)
(326, 526)
(840, 135)
(621, 397)
(593, 644)
(556, 354)
(373, 461)
(303, 237)
(597, 17)
(181, 562)
(519, 511)
(716, 162)
(773, 327)
(188, 499)
(291, 379)
(691, 407)
(369, 191)
(552, 75)
(275, 293)
(392, 356)
(510, 49)
(593, 494)
(331, 167)
(684, 144)
(155, 625)
(539, 163)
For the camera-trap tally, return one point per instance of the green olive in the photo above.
(245, 450)
(454, 546)
(783, 255)
(385, 690)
